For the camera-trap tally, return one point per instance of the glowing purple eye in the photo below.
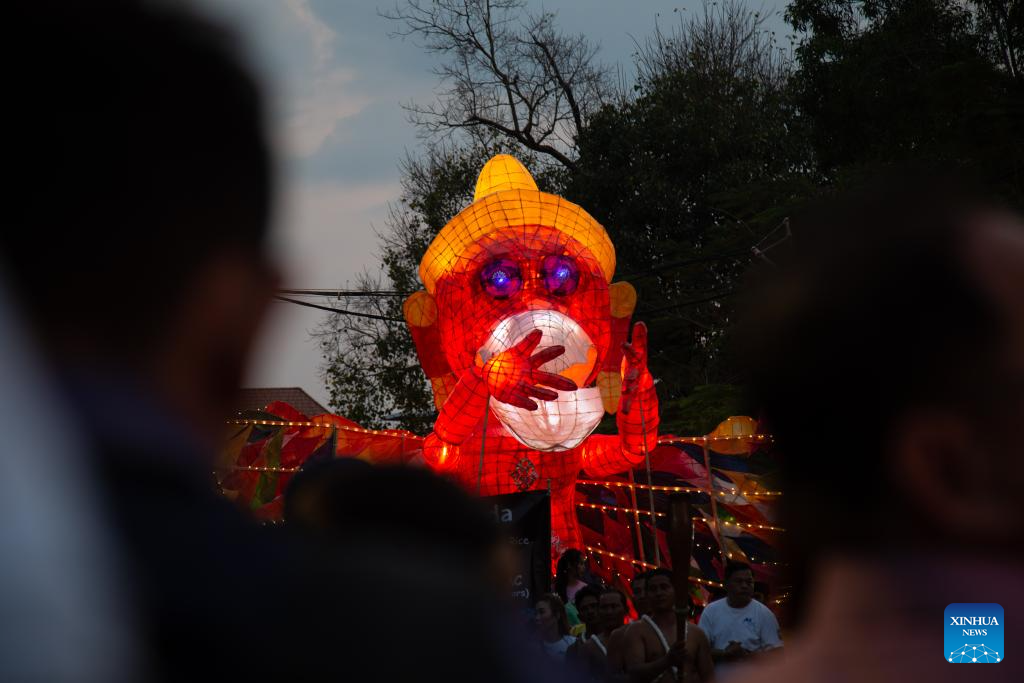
(501, 278)
(560, 274)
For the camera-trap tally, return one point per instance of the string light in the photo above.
(704, 440)
(327, 425)
(681, 489)
(256, 468)
(614, 508)
(711, 548)
(648, 565)
(748, 525)
(697, 440)
(706, 582)
(675, 489)
(621, 558)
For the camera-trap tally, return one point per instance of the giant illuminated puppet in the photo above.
(524, 339)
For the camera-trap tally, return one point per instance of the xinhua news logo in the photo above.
(974, 633)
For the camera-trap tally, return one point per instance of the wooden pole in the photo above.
(636, 518)
(650, 485)
(680, 547)
(714, 505)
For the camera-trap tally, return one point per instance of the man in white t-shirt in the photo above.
(739, 627)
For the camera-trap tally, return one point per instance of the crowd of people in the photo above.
(586, 627)
(887, 353)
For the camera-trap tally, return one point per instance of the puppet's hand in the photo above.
(634, 366)
(512, 376)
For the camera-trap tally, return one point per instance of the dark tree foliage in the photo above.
(925, 81)
(505, 71)
(692, 178)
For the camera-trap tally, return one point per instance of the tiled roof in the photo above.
(259, 398)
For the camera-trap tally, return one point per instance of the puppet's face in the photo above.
(512, 283)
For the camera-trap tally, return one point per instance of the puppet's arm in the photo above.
(637, 416)
(463, 410)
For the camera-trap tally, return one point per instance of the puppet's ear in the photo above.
(622, 297)
(421, 317)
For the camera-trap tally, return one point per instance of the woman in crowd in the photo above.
(553, 626)
(572, 567)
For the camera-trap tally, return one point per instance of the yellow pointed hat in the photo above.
(507, 196)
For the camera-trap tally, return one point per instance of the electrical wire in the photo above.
(329, 309)
(341, 293)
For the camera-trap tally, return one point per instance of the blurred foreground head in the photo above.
(402, 506)
(141, 199)
(888, 355)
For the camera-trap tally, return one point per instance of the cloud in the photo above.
(323, 95)
(313, 88)
(321, 35)
(314, 117)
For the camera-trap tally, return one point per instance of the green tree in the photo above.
(693, 179)
(926, 81)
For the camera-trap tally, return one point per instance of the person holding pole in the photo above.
(663, 647)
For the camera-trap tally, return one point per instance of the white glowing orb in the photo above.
(565, 422)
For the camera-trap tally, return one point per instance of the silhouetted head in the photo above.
(887, 352)
(400, 505)
(307, 499)
(141, 196)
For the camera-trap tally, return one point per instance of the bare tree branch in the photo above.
(506, 71)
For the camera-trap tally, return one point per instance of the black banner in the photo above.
(524, 522)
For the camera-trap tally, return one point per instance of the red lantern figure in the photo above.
(523, 337)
